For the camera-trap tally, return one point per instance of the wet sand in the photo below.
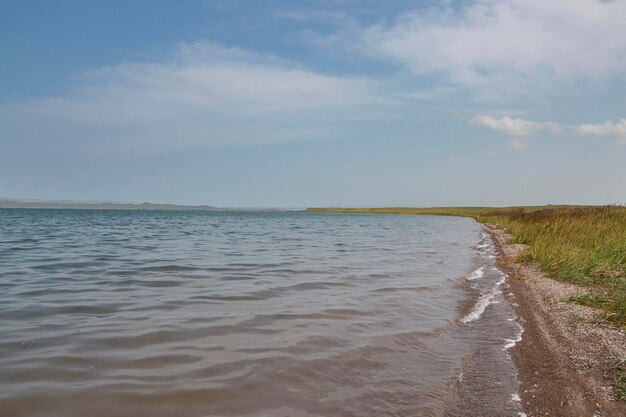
(567, 358)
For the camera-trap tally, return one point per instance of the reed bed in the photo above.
(585, 245)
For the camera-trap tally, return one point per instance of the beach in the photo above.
(567, 359)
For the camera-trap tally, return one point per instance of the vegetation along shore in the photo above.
(568, 275)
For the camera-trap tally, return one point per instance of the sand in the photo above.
(568, 357)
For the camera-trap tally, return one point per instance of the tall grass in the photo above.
(585, 245)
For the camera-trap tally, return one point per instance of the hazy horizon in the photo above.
(160, 203)
(315, 103)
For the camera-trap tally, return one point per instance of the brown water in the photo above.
(134, 313)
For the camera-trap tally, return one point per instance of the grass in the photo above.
(585, 245)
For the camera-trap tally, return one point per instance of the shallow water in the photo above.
(116, 313)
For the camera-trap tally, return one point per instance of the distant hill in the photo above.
(43, 204)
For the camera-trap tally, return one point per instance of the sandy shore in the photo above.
(567, 358)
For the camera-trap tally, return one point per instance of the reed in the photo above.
(585, 245)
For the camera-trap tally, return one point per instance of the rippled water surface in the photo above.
(131, 313)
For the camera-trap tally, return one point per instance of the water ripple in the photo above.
(179, 313)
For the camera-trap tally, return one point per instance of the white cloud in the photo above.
(205, 95)
(503, 46)
(514, 126)
(607, 128)
(517, 129)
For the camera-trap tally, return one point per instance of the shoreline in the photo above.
(567, 359)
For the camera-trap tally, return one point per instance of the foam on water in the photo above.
(491, 327)
(476, 274)
(512, 342)
(479, 308)
(484, 301)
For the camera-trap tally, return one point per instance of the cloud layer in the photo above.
(204, 95)
(505, 45)
(517, 128)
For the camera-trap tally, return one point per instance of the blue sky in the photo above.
(314, 103)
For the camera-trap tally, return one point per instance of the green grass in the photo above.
(585, 245)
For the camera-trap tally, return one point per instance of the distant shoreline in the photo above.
(14, 203)
(21, 204)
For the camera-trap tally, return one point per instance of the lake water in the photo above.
(148, 313)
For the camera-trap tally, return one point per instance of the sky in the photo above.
(276, 103)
